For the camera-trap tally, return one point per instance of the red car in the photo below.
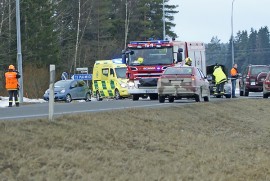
(252, 79)
(266, 86)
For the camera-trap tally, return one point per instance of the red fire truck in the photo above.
(146, 61)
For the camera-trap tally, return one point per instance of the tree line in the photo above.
(249, 48)
(75, 33)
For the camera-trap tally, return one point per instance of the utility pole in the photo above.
(164, 34)
(19, 51)
(232, 34)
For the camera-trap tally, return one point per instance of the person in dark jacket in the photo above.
(12, 85)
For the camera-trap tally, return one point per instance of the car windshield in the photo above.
(151, 56)
(257, 70)
(121, 72)
(179, 71)
(61, 84)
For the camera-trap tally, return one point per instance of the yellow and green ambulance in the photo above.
(109, 79)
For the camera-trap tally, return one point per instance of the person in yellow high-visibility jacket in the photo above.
(220, 79)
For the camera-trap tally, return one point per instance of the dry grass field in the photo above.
(228, 140)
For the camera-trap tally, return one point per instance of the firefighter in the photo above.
(220, 78)
(188, 61)
(12, 84)
(140, 60)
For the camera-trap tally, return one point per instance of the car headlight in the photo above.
(63, 91)
(123, 85)
(131, 84)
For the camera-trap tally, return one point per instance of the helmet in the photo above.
(11, 67)
(188, 61)
(140, 60)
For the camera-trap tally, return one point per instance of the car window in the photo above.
(257, 70)
(121, 72)
(61, 84)
(201, 73)
(73, 84)
(180, 70)
(81, 83)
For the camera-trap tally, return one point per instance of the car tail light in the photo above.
(267, 82)
(248, 74)
(192, 79)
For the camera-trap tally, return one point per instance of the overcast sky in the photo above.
(200, 20)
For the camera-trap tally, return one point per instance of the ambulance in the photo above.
(109, 79)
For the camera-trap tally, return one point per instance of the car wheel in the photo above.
(98, 96)
(117, 94)
(161, 99)
(68, 98)
(228, 96)
(88, 97)
(171, 99)
(265, 96)
(241, 93)
(206, 98)
(245, 92)
(135, 97)
(198, 97)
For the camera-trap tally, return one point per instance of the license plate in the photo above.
(176, 82)
(252, 83)
(151, 91)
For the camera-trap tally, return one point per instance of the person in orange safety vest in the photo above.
(12, 85)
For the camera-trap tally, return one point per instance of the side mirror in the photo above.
(179, 57)
(124, 58)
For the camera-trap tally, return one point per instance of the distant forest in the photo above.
(249, 48)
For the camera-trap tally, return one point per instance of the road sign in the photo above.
(64, 76)
(82, 76)
(82, 69)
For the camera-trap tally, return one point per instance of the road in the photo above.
(39, 110)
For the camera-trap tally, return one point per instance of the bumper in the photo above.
(124, 93)
(184, 91)
(142, 91)
(57, 97)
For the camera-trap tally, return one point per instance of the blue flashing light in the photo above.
(117, 60)
(145, 42)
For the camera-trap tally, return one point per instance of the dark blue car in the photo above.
(68, 90)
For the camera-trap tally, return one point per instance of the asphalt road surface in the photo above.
(37, 110)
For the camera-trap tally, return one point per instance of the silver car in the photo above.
(183, 82)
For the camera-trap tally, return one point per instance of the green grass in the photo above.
(228, 140)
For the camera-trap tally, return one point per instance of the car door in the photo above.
(73, 89)
(81, 89)
(203, 82)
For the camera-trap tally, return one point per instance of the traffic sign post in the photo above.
(82, 76)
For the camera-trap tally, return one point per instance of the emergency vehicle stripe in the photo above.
(104, 85)
(112, 84)
(96, 84)
(102, 93)
(110, 92)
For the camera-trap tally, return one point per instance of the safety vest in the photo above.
(11, 81)
(234, 73)
(220, 76)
